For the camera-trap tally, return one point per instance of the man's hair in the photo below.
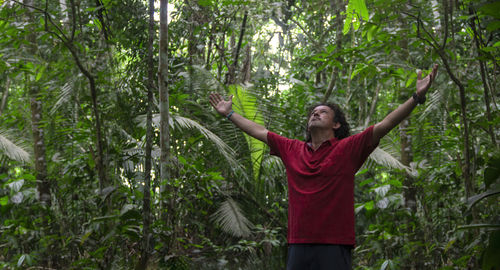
(342, 132)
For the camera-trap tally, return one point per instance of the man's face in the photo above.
(322, 117)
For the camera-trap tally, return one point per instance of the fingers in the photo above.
(419, 75)
(214, 99)
(434, 72)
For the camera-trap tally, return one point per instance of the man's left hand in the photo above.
(424, 84)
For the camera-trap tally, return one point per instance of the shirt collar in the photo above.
(330, 142)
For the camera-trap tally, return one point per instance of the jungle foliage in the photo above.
(84, 183)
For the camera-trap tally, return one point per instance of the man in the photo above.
(320, 176)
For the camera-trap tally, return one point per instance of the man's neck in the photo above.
(320, 136)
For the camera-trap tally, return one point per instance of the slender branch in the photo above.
(463, 102)
(316, 45)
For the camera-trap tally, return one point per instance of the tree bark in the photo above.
(405, 138)
(247, 65)
(43, 185)
(339, 7)
(146, 201)
(231, 74)
(164, 103)
(5, 95)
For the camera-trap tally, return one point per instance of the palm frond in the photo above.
(224, 149)
(179, 122)
(64, 96)
(231, 219)
(14, 149)
(245, 103)
(382, 157)
(435, 99)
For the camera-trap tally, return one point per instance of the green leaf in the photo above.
(411, 79)
(204, 3)
(491, 9)
(478, 226)
(490, 259)
(371, 32)
(369, 205)
(476, 198)
(4, 200)
(245, 104)
(29, 177)
(493, 26)
(492, 171)
(84, 237)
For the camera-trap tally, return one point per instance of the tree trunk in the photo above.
(231, 74)
(43, 185)
(146, 202)
(5, 95)
(405, 138)
(339, 7)
(99, 158)
(164, 106)
(247, 65)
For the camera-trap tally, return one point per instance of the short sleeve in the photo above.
(361, 146)
(278, 144)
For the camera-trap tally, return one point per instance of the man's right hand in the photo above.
(224, 107)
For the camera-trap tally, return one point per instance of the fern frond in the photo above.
(14, 149)
(382, 157)
(64, 96)
(435, 99)
(231, 219)
(179, 122)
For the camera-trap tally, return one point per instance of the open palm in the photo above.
(221, 105)
(424, 84)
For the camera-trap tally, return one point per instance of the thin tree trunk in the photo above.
(164, 107)
(373, 105)
(231, 76)
(146, 202)
(247, 65)
(405, 138)
(338, 6)
(5, 95)
(43, 184)
(68, 43)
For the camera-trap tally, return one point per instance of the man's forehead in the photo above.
(321, 107)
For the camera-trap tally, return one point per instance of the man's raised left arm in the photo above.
(395, 117)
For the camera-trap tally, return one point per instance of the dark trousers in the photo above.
(318, 257)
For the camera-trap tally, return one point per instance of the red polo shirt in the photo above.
(321, 186)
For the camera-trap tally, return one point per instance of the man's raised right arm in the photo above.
(225, 108)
